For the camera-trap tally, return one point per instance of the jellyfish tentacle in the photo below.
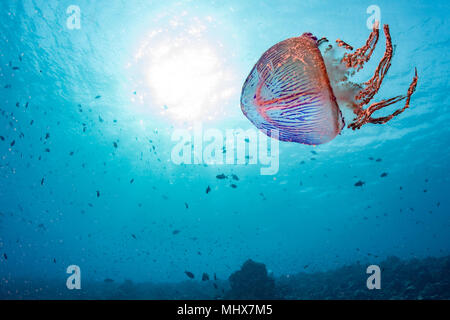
(321, 40)
(373, 84)
(344, 44)
(364, 116)
(361, 55)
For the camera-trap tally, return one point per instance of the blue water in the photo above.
(87, 90)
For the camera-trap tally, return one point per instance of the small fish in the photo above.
(2, 138)
(233, 186)
(384, 174)
(208, 190)
(359, 183)
(378, 160)
(12, 143)
(134, 236)
(15, 68)
(98, 194)
(221, 176)
(100, 119)
(42, 181)
(47, 135)
(186, 205)
(132, 180)
(189, 274)
(175, 232)
(235, 177)
(115, 144)
(54, 260)
(313, 152)
(108, 280)
(5, 256)
(205, 277)
(98, 97)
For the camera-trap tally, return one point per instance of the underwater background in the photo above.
(87, 177)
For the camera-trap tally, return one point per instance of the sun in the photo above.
(188, 80)
(187, 74)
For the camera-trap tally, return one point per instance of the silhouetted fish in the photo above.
(108, 280)
(233, 186)
(221, 176)
(205, 277)
(235, 177)
(359, 183)
(189, 274)
(208, 190)
(384, 174)
(175, 231)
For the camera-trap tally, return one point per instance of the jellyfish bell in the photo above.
(296, 92)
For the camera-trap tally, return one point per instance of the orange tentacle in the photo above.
(373, 85)
(341, 43)
(361, 56)
(364, 116)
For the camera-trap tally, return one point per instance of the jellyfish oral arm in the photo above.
(360, 56)
(365, 116)
(371, 87)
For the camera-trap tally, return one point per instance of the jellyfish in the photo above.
(296, 89)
